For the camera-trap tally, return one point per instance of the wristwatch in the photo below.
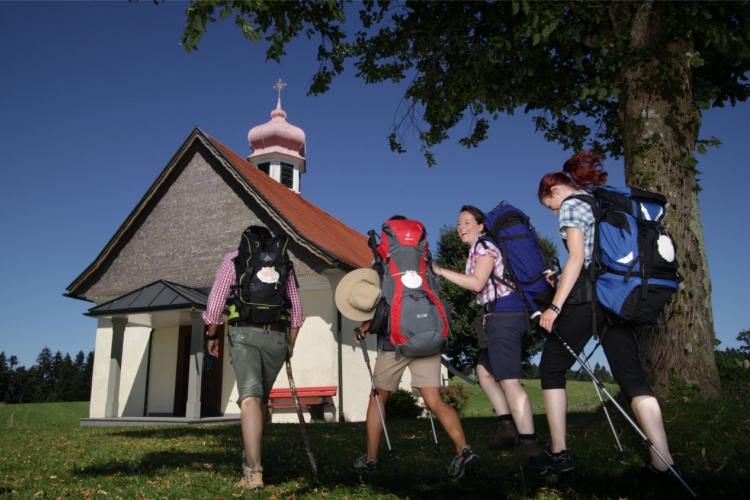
(212, 337)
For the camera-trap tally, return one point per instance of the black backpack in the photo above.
(262, 268)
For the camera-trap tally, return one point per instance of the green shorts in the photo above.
(257, 356)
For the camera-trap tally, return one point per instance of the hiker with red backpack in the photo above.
(610, 282)
(505, 321)
(399, 301)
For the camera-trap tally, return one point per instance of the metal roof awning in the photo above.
(160, 295)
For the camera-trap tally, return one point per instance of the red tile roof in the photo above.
(317, 226)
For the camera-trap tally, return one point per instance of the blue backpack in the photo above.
(634, 261)
(510, 230)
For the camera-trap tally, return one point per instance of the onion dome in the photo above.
(277, 136)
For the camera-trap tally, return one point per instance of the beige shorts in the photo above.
(425, 371)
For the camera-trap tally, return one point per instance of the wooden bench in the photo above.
(308, 396)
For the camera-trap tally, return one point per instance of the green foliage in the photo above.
(734, 372)
(52, 378)
(744, 338)
(456, 395)
(562, 62)
(402, 404)
(462, 348)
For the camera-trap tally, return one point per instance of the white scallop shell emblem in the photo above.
(268, 275)
(411, 279)
(665, 247)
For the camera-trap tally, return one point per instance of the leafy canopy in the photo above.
(562, 62)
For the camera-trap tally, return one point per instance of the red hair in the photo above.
(551, 180)
(586, 170)
(583, 170)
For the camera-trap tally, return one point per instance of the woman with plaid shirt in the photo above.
(504, 323)
(571, 313)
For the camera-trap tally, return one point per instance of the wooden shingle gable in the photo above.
(315, 232)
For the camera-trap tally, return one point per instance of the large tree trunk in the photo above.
(660, 125)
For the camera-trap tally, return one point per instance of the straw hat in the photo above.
(358, 293)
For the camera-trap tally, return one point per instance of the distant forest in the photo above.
(54, 377)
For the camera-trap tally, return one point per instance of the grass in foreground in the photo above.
(710, 441)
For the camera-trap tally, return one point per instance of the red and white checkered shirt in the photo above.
(225, 277)
(480, 249)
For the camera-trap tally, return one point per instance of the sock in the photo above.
(507, 416)
(527, 437)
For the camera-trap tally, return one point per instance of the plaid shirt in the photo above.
(477, 250)
(578, 214)
(225, 277)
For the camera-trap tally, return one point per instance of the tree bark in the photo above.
(660, 123)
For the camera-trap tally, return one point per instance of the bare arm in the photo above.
(570, 274)
(474, 282)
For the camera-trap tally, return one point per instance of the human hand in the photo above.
(212, 346)
(548, 320)
(437, 269)
(552, 278)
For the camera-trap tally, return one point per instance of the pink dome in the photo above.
(277, 136)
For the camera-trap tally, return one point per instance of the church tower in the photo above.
(278, 147)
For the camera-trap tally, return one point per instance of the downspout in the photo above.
(341, 364)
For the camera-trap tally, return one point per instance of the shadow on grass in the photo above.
(420, 471)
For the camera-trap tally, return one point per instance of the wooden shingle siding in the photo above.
(184, 238)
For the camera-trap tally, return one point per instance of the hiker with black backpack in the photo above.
(503, 326)
(258, 285)
(576, 311)
(399, 301)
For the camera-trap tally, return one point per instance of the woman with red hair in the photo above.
(572, 315)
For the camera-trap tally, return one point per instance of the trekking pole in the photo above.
(587, 359)
(363, 345)
(432, 422)
(302, 425)
(434, 433)
(645, 438)
(601, 400)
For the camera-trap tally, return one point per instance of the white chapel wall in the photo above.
(100, 376)
(162, 371)
(133, 371)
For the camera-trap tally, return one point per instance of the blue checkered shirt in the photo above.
(578, 214)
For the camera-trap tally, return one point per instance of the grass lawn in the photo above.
(45, 453)
(582, 397)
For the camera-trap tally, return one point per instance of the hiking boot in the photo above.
(251, 479)
(505, 436)
(365, 465)
(552, 462)
(526, 450)
(465, 463)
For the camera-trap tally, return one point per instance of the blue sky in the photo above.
(95, 98)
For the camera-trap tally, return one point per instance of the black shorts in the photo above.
(575, 326)
(502, 357)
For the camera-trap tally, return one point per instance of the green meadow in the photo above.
(45, 453)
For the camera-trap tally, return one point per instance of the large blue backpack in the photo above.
(510, 230)
(634, 261)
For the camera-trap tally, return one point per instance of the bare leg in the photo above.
(648, 413)
(556, 406)
(252, 413)
(373, 424)
(493, 391)
(520, 406)
(446, 414)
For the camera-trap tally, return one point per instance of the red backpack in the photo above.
(417, 321)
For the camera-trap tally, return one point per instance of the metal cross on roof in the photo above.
(279, 86)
